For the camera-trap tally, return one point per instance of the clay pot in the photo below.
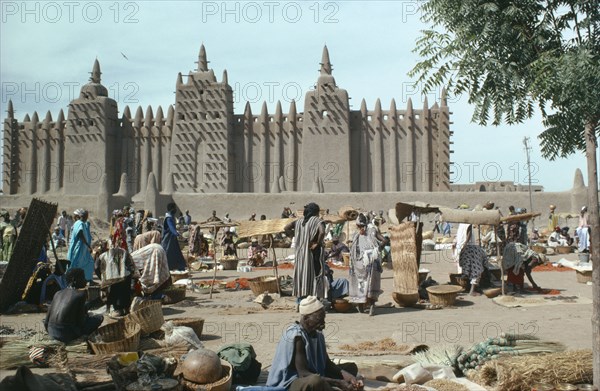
(202, 366)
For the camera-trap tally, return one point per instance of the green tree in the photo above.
(511, 56)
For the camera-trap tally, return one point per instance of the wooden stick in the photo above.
(275, 263)
(214, 261)
(498, 256)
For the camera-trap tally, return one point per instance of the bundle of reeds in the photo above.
(439, 355)
(348, 213)
(14, 353)
(505, 346)
(404, 258)
(519, 373)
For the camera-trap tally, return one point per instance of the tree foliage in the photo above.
(511, 56)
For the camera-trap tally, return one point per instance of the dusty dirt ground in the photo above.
(234, 317)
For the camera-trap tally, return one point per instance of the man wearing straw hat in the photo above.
(301, 362)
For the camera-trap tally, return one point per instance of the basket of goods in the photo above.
(563, 249)
(148, 315)
(196, 324)
(444, 295)
(538, 248)
(204, 370)
(179, 275)
(115, 337)
(584, 276)
(263, 284)
(175, 293)
(229, 262)
(458, 279)
(341, 305)
(406, 299)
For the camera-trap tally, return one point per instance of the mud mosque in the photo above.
(201, 148)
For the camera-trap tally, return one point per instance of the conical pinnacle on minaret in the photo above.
(264, 113)
(225, 77)
(275, 187)
(170, 185)
(149, 117)
(26, 119)
(578, 180)
(378, 112)
(278, 112)
(139, 117)
(363, 107)
(10, 110)
(409, 108)
(248, 111)
(96, 74)
(34, 118)
(158, 120)
(47, 120)
(126, 113)
(444, 100)
(124, 185)
(179, 79)
(170, 116)
(61, 118)
(202, 62)
(425, 105)
(292, 112)
(393, 110)
(325, 62)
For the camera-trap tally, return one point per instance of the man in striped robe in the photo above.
(309, 267)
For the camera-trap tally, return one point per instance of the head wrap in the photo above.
(361, 220)
(310, 210)
(310, 305)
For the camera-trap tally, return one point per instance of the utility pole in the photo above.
(527, 150)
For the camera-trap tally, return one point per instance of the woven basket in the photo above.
(583, 277)
(458, 279)
(406, 299)
(224, 384)
(176, 293)
(229, 264)
(148, 315)
(260, 285)
(115, 337)
(196, 324)
(563, 249)
(444, 295)
(341, 305)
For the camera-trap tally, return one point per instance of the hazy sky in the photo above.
(271, 51)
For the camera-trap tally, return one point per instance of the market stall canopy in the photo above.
(247, 229)
(217, 224)
(483, 217)
(520, 217)
(404, 209)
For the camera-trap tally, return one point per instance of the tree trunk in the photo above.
(594, 222)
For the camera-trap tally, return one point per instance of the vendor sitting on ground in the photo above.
(256, 253)
(67, 318)
(518, 260)
(301, 361)
(335, 254)
(555, 238)
(338, 287)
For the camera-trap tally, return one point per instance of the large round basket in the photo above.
(341, 305)
(406, 299)
(196, 324)
(263, 284)
(583, 277)
(115, 337)
(563, 249)
(176, 293)
(458, 279)
(148, 315)
(224, 384)
(229, 264)
(444, 295)
(538, 248)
